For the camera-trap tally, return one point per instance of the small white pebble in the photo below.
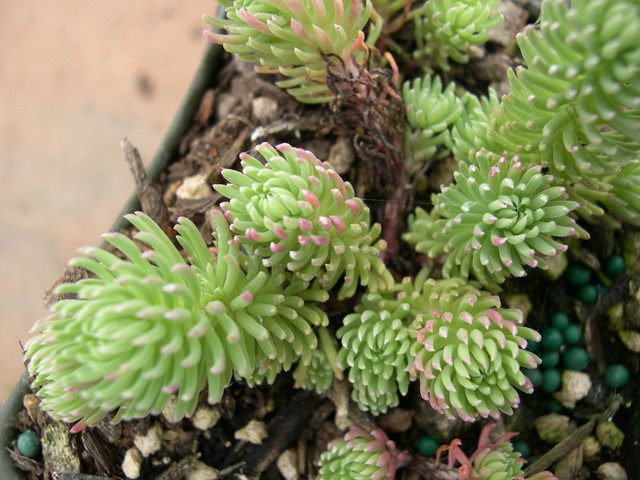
(264, 109)
(149, 443)
(225, 104)
(612, 471)
(193, 188)
(201, 471)
(341, 155)
(591, 448)
(609, 434)
(204, 418)
(630, 339)
(169, 410)
(553, 427)
(132, 463)
(287, 465)
(575, 386)
(253, 432)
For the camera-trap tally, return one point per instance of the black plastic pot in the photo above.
(204, 78)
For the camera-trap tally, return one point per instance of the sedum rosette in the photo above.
(430, 112)
(576, 106)
(388, 9)
(296, 39)
(446, 29)
(318, 375)
(496, 217)
(296, 212)
(470, 134)
(360, 456)
(624, 202)
(152, 325)
(375, 348)
(491, 460)
(468, 352)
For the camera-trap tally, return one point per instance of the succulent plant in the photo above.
(318, 375)
(297, 212)
(468, 351)
(430, 113)
(469, 134)
(624, 201)
(387, 9)
(157, 323)
(490, 461)
(496, 217)
(153, 325)
(575, 109)
(579, 88)
(360, 456)
(446, 29)
(375, 348)
(296, 39)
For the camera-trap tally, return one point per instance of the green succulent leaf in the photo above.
(497, 217)
(318, 375)
(446, 29)
(469, 134)
(294, 39)
(387, 9)
(360, 456)
(296, 212)
(151, 325)
(575, 108)
(375, 348)
(624, 201)
(491, 461)
(430, 112)
(468, 352)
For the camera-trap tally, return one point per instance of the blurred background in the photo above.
(75, 78)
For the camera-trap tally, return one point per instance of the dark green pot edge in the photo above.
(203, 79)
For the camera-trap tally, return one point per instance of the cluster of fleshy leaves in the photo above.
(430, 111)
(360, 455)
(319, 374)
(445, 30)
(491, 461)
(574, 109)
(467, 352)
(300, 40)
(571, 122)
(150, 325)
(375, 349)
(295, 210)
(470, 132)
(496, 217)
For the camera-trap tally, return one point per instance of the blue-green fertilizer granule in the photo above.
(427, 445)
(28, 443)
(616, 376)
(614, 265)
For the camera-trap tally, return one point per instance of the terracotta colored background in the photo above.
(76, 76)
